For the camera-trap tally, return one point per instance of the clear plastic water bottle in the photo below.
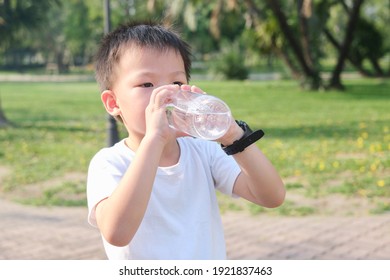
(199, 115)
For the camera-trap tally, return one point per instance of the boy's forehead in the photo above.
(138, 57)
(135, 52)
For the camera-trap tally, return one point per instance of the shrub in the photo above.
(230, 63)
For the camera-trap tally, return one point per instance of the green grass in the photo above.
(322, 143)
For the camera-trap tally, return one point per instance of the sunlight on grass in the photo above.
(322, 143)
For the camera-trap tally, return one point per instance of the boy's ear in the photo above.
(109, 102)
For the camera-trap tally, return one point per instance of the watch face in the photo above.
(244, 127)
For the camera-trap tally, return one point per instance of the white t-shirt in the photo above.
(182, 220)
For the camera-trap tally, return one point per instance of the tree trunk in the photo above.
(335, 81)
(310, 74)
(378, 69)
(3, 120)
(62, 66)
(358, 65)
(304, 12)
(284, 56)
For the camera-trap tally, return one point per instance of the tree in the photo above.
(305, 64)
(69, 36)
(303, 38)
(335, 81)
(16, 16)
(77, 31)
(298, 33)
(3, 119)
(368, 44)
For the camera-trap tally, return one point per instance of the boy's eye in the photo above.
(146, 85)
(178, 83)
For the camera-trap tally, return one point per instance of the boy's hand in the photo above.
(155, 113)
(234, 133)
(191, 88)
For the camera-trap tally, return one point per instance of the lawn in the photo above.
(331, 148)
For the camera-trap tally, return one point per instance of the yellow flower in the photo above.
(373, 167)
(321, 166)
(381, 183)
(362, 125)
(364, 135)
(375, 147)
(336, 164)
(360, 142)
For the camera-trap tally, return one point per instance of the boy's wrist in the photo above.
(248, 138)
(236, 134)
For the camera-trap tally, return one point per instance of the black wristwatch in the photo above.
(247, 139)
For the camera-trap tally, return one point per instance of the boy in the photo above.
(152, 195)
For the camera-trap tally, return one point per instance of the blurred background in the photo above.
(230, 38)
(312, 73)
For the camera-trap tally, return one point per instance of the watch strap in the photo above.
(247, 139)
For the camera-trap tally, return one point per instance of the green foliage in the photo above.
(18, 19)
(368, 42)
(77, 30)
(16, 15)
(230, 63)
(64, 34)
(264, 39)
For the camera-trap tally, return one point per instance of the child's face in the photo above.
(140, 71)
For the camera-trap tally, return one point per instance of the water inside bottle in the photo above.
(206, 119)
(211, 126)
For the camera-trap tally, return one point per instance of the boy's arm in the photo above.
(119, 216)
(258, 182)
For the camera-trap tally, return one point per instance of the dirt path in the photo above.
(63, 233)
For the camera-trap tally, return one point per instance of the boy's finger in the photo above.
(191, 88)
(162, 96)
(185, 87)
(196, 89)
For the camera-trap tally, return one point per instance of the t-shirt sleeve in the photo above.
(225, 170)
(103, 178)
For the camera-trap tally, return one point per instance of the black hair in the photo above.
(140, 34)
